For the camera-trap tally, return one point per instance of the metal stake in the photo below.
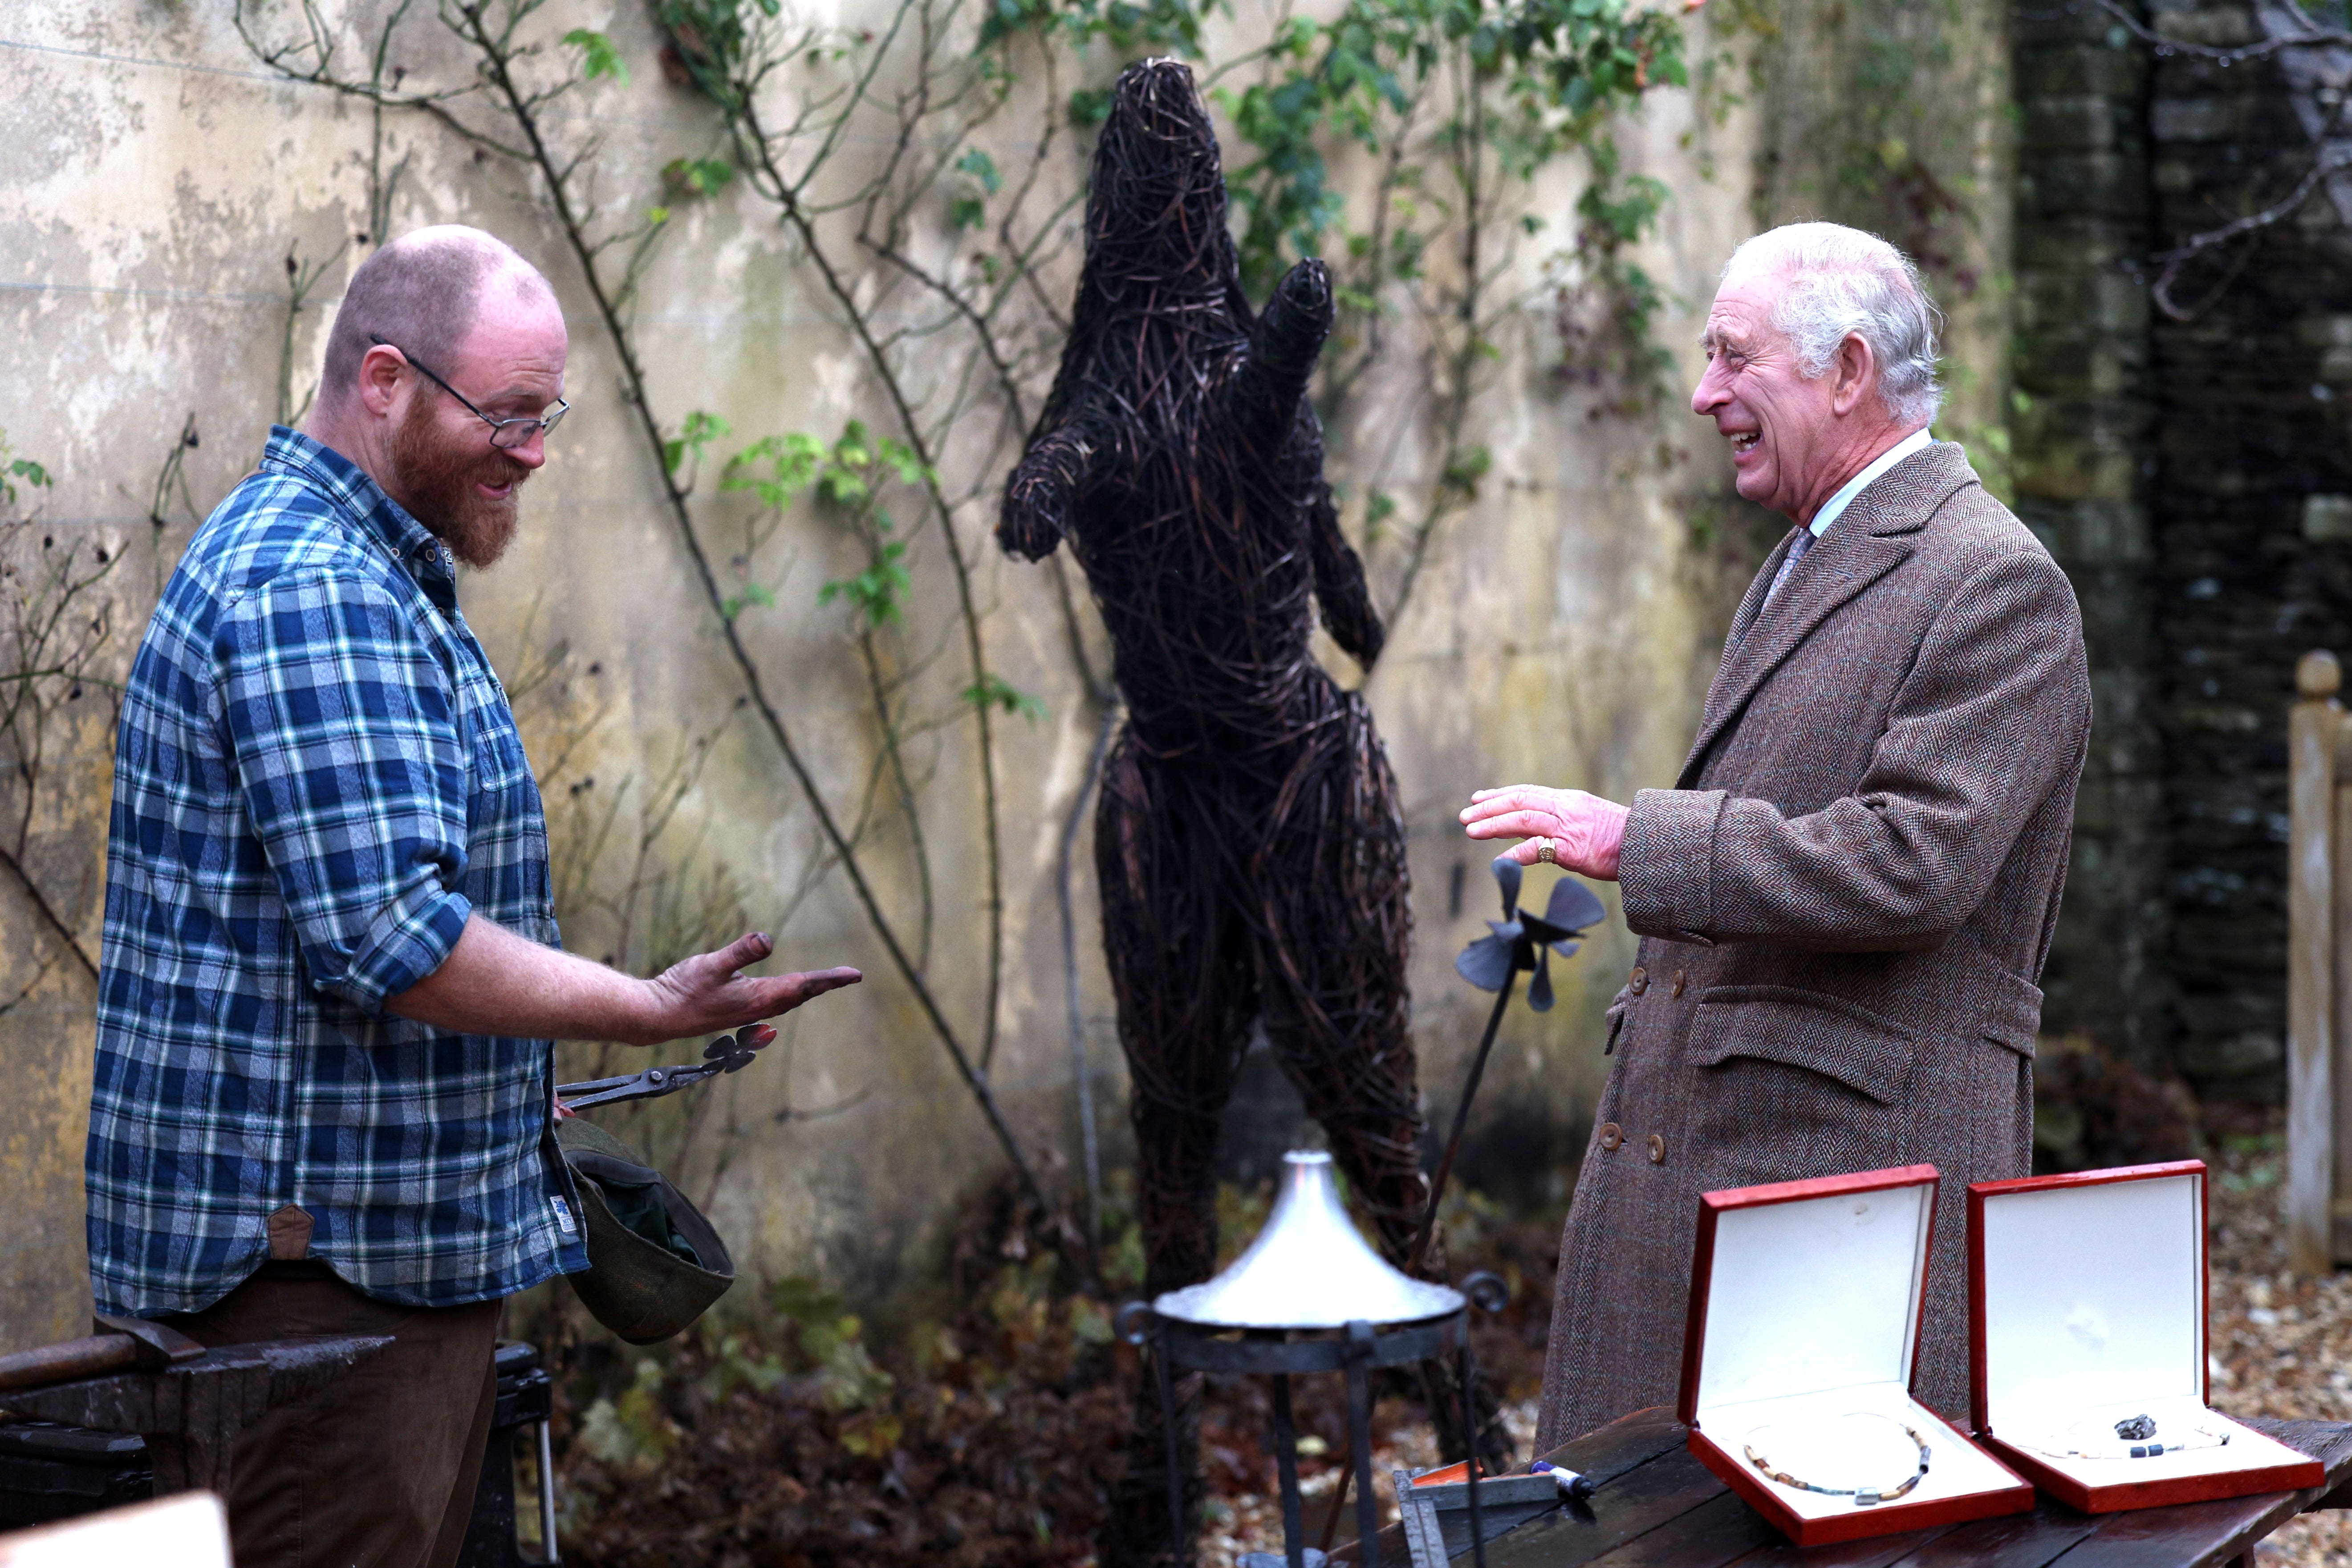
(1286, 1460)
(1359, 1432)
(1460, 1122)
(1177, 1532)
(1470, 1433)
(547, 1500)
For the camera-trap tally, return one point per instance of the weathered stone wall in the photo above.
(2250, 558)
(2191, 470)
(1892, 116)
(151, 178)
(2082, 422)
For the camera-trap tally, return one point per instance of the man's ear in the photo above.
(1857, 373)
(379, 380)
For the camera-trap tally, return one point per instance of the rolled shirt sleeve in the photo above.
(340, 720)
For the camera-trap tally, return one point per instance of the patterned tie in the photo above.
(1804, 542)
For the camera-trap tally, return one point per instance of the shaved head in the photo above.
(423, 293)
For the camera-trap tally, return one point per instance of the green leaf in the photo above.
(700, 430)
(982, 168)
(876, 593)
(901, 458)
(992, 691)
(697, 176)
(598, 56)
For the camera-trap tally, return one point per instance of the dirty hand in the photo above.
(707, 992)
(1583, 831)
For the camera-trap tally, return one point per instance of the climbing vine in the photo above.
(916, 173)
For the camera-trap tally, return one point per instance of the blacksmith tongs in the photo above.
(727, 1053)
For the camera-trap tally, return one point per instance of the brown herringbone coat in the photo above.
(1846, 903)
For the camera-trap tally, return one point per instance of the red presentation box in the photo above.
(2086, 1304)
(1805, 1307)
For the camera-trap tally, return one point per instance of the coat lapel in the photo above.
(1867, 541)
(1752, 604)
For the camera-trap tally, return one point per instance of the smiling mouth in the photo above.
(1743, 441)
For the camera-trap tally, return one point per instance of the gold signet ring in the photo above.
(1544, 853)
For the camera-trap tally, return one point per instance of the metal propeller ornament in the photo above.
(1520, 942)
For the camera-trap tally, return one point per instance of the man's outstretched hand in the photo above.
(1585, 832)
(707, 993)
(495, 982)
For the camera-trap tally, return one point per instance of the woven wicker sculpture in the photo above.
(1249, 846)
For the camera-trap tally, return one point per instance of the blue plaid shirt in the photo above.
(315, 780)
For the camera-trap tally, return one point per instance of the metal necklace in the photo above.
(1863, 1497)
(2134, 1439)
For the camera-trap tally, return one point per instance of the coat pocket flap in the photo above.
(2013, 1018)
(1865, 1051)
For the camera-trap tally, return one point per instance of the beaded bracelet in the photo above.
(1863, 1497)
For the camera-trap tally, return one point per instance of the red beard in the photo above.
(436, 477)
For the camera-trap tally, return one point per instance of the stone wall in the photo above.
(152, 176)
(2250, 564)
(2081, 421)
(2190, 468)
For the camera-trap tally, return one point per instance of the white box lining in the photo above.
(2095, 1311)
(1813, 1294)
(1955, 1467)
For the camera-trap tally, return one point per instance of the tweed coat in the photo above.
(1845, 903)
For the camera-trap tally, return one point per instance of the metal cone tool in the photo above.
(1309, 1269)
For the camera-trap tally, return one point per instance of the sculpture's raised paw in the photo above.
(1306, 288)
(1036, 512)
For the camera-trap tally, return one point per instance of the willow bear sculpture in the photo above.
(1248, 842)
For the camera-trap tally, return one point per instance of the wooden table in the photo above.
(1657, 1506)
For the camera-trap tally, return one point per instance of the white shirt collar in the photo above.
(1860, 481)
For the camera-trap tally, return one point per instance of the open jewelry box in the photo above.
(2086, 1297)
(1805, 1308)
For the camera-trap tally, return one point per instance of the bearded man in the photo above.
(324, 1087)
(1846, 898)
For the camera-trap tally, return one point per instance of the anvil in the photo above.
(187, 1401)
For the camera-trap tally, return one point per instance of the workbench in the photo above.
(1654, 1506)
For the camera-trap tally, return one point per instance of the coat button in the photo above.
(1611, 1136)
(1680, 981)
(1639, 981)
(1657, 1150)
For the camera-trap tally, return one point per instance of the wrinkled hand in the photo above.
(1585, 831)
(707, 993)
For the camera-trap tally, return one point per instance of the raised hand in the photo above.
(709, 992)
(1583, 831)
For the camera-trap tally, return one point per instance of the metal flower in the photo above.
(1525, 942)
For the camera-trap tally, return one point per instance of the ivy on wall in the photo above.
(917, 169)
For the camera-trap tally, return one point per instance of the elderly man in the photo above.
(1845, 900)
(324, 1083)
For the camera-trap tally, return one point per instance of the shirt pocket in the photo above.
(506, 823)
(1864, 1051)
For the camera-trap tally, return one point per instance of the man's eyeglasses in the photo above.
(505, 434)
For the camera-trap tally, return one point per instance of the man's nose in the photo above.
(1710, 394)
(531, 454)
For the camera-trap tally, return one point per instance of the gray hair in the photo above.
(1842, 283)
(421, 293)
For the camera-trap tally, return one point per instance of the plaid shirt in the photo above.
(315, 780)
